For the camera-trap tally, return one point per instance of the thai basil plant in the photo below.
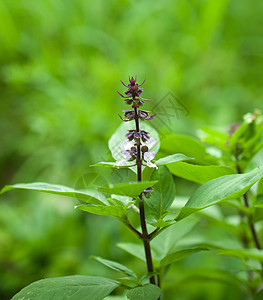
(226, 168)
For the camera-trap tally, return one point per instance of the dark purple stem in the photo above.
(145, 236)
(250, 218)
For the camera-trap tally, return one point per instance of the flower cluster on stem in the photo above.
(136, 148)
(138, 143)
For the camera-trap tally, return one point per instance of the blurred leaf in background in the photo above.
(60, 65)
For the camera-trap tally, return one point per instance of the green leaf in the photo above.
(73, 287)
(243, 253)
(137, 250)
(179, 255)
(110, 165)
(189, 147)
(163, 194)
(134, 249)
(260, 187)
(206, 275)
(145, 278)
(132, 189)
(248, 136)
(199, 174)
(118, 138)
(116, 298)
(166, 241)
(171, 159)
(119, 200)
(223, 188)
(93, 197)
(161, 223)
(104, 164)
(128, 282)
(116, 211)
(215, 137)
(258, 147)
(146, 292)
(239, 134)
(259, 201)
(115, 266)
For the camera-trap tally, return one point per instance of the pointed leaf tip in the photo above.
(222, 188)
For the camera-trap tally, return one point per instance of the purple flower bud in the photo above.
(135, 105)
(133, 153)
(136, 139)
(128, 101)
(147, 192)
(137, 135)
(132, 80)
(129, 114)
(232, 129)
(143, 114)
(133, 92)
(128, 93)
(140, 102)
(144, 149)
(130, 135)
(145, 136)
(134, 88)
(139, 92)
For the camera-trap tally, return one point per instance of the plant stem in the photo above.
(250, 219)
(251, 225)
(154, 233)
(133, 229)
(145, 236)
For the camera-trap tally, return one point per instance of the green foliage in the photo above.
(171, 159)
(219, 184)
(188, 146)
(222, 188)
(163, 194)
(259, 296)
(146, 292)
(199, 174)
(73, 287)
(60, 61)
(116, 211)
(164, 247)
(178, 255)
(243, 253)
(167, 241)
(134, 249)
(91, 196)
(132, 189)
(115, 266)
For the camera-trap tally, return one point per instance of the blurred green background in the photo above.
(61, 62)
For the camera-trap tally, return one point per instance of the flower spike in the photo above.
(137, 148)
(138, 141)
